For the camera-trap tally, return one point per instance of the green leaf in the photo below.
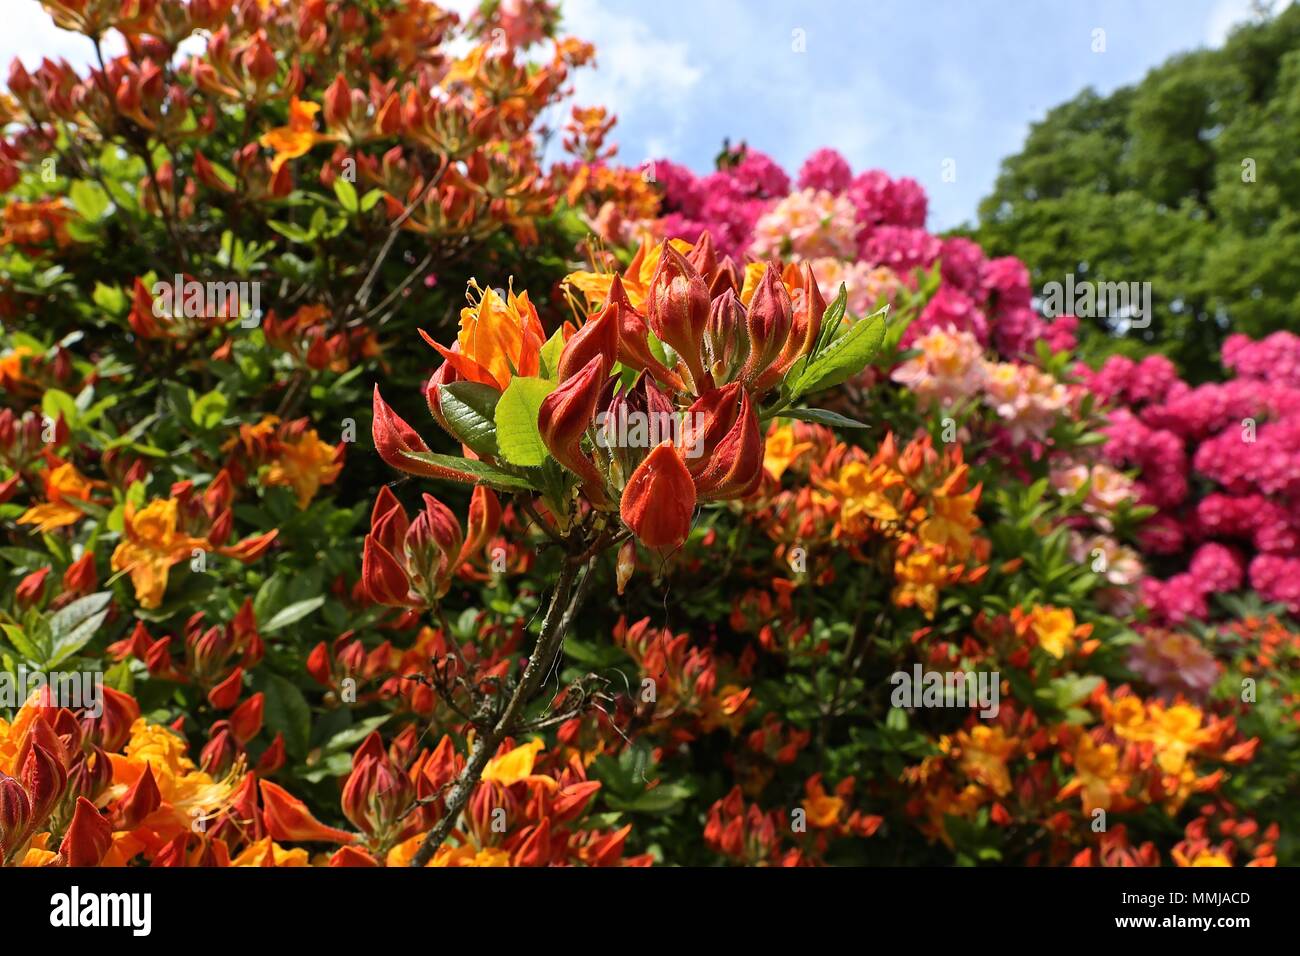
(291, 232)
(285, 711)
(822, 416)
(474, 472)
(89, 199)
(518, 437)
(55, 403)
(291, 614)
(843, 358)
(23, 644)
(72, 626)
(470, 411)
(208, 410)
(550, 355)
(371, 199)
(346, 193)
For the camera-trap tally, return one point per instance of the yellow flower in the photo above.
(63, 485)
(863, 492)
(266, 852)
(296, 139)
(1209, 858)
(304, 464)
(984, 754)
(781, 450)
(1054, 628)
(516, 766)
(636, 279)
(950, 523)
(1096, 774)
(919, 576)
(465, 855)
(150, 546)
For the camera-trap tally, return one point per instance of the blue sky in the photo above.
(902, 85)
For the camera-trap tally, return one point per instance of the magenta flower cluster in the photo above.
(990, 298)
(1221, 462)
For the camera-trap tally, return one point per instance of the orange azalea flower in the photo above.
(63, 485)
(296, 139)
(1055, 628)
(12, 378)
(516, 766)
(823, 809)
(187, 793)
(1096, 779)
(150, 546)
(266, 852)
(984, 754)
(636, 279)
(952, 517)
(498, 339)
(304, 464)
(781, 450)
(867, 493)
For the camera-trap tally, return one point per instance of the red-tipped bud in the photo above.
(226, 694)
(678, 309)
(273, 757)
(44, 778)
(31, 589)
(808, 308)
(89, 836)
(726, 340)
(137, 803)
(246, 721)
(220, 752)
(598, 337)
(659, 499)
(769, 318)
(564, 417)
(432, 546)
(80, 578)
(383, 578)
(634, 338)
(15, 815)
(722, 444)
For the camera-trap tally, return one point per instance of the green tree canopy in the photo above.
(1189, 180)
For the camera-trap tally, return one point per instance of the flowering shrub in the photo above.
(749, 523)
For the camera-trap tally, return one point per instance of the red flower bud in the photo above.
(659, 499)
(80, 578)
(31, 589)
(220, 752)
(44, 778)
(564, 417)
(226, 694)
(678, 310)
(394, 439)
(598, 337)
(137, 803)
(634, 339)
(726, 339)
(89, 836)
(769, 318)
(15, 815)
(246, 721)
(382, 576)
(808, 308)
(273, 757)
(722, 444)
(432, 546)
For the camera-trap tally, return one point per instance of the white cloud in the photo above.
(1226, 14)
(637, 71)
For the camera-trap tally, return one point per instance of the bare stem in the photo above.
(559, 616)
